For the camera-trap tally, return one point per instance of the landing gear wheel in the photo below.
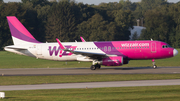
(93, 67)
(154, 66)
(98, 66)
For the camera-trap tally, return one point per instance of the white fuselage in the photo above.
(51, 51)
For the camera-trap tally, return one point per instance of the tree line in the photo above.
(68, 20)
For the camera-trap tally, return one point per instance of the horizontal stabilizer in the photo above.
(16, 47)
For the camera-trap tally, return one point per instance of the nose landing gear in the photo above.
(154, 66)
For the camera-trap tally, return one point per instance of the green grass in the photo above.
(24, 80)
(163, 93)
(11, 60)
(156, 93)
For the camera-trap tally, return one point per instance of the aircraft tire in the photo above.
(93, 67)
(154, 66)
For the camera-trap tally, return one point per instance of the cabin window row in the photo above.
(109, 48)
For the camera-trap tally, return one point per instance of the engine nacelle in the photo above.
(113, 61)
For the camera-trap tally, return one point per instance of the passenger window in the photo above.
(109, 48)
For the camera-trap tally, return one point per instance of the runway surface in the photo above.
(92, 85)
(87, 71)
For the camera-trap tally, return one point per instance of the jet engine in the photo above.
(113, 61)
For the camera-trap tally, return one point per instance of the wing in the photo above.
(91, 55)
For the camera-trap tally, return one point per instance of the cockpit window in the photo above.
(166, 46)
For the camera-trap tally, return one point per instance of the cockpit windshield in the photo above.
(166, 46)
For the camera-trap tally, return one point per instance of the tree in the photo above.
(1, 1)
(36, 2)
(158, 24)
(9, 9)
(61, 22)
(124, 21)
(151, 4)
(97, 29)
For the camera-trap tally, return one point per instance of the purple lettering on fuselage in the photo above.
(56, 50)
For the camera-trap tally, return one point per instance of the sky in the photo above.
(96, 2)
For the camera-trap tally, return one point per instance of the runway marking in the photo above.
(87, 71)
(92, 85)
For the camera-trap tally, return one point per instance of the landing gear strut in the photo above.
(154, 66)
(94, 67)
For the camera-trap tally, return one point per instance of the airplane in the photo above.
(107, 53)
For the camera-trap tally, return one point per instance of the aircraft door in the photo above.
(153, 47)
(39, 50)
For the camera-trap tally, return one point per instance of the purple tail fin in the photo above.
(20, 34)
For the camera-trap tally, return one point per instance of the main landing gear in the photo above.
(154, 66)
(94, 67)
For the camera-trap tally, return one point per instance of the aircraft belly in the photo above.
(67, 58)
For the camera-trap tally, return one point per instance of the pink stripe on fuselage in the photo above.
(17, 24)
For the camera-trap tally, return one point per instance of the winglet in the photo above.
(59, 42)
(61, 46)
(82, 39)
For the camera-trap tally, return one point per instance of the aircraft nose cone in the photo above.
(175, 52)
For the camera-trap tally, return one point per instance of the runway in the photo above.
(92, 85)
(87, 71)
